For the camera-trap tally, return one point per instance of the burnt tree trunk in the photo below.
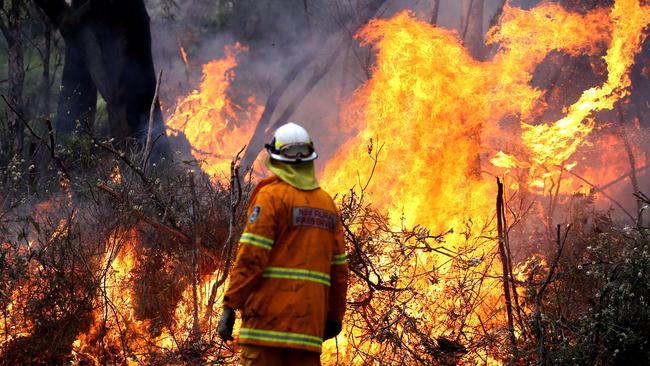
(108, 50)
(46, 75)
(10, 26)
(78, 94)
(471, 26)
(435, 7)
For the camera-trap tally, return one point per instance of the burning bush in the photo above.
(120, 256)
(126, 265)
(123, 262)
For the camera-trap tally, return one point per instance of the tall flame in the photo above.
(432, 111)
(213, 124)
(553, 144)
(429, 102)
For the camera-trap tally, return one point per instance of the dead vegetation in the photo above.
(120, 264)
(110, 257)
(109, 223)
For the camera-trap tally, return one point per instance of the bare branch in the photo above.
(50, 147)
(597, 189)
(149, 143)
(178, 235)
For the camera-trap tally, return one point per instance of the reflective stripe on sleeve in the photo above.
(256, 240)
(297, 274)
(339, 259)
(280, 337)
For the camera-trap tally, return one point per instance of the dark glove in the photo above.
(226, 323)
(332, 329)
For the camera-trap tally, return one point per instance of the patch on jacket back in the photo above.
(314, 217)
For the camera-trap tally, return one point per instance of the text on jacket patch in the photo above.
(308, 216)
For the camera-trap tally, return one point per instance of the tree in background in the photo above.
(107, 50)
(10, 24)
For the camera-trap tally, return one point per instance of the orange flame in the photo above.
(434, 110)
(431, 104)
(550, 145)
(215, 127)
(115, 321)
(429, 115)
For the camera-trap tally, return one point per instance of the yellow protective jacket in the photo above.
(291, 273)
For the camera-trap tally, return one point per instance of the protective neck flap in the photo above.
(301, 175)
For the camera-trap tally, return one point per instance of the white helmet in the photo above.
(292, 144)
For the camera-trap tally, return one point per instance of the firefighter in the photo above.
(289, 280)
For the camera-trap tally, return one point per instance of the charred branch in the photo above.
(235, 199)
(632, 160)
(504, 261)
(601, 191)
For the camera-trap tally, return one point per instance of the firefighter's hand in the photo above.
(332, 329)
(226, 324)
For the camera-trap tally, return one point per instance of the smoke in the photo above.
(276, 35)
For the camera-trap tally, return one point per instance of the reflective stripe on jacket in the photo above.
(291, 273)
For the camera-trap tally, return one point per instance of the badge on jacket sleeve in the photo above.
(255, 213)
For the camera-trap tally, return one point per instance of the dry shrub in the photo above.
(156, 233)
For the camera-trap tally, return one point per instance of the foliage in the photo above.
(598, 312)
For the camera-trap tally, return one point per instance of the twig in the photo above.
(235, 200)
(537, 316)
(640, 195)
(179, 235)
(596, 188)
(638, 170)
(196, 330)
(632, 160)
(50, 147)
(149, 144)
(122, 156)
(512, 281)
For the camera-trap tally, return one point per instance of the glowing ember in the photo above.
(183, 55)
